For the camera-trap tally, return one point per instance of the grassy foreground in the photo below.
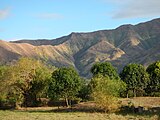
(16, 115)
(49, 115)
(85, 111)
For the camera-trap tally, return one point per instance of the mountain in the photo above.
(125, 44)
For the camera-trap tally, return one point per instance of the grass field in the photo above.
(42, 115)
(82, 112)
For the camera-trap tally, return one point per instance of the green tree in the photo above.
(105, 92)
(3, 71)
(65, 83)
(39, 84)
(85, 91)
(135, 76)
(3, 76)
(29, 77)
(106, 69)
(154, 85)
(9, 95)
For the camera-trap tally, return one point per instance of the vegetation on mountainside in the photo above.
(28, 82)
(121, 46)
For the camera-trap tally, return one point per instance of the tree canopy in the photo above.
(3, 75)
(65, 83)
(27, 78)
(135, 76)
(106, 91)
(154, 84)
(105, 69)
(27, 81)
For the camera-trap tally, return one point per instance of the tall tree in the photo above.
(135, 76)
(65, 83)
(154, 84)
(105, 69)
(30, 78)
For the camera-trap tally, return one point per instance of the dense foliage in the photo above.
(105, 91)
(65, 83)
(27, 81)
(105, 69)
(85, 90)
(153, 87)
(136, 78)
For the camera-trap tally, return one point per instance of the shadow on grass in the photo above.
(86, 110)
(76, 108)
(88, 107)
(125, 110)
(64, 110)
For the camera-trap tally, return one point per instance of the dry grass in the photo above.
(82, 111)
(143, 101)
(46, 115)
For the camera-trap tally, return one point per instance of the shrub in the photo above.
(105, 92)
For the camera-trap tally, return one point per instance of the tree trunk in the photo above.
(66, 99)
(127, 94)
(134, 92)
(70, 103)
(29, 99)
(25, 100)
(17, 106)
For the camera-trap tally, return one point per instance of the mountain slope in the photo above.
(48, 53)
(125, 44)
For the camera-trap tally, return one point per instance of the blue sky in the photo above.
(38, 19)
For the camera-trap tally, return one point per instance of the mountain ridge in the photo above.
(120, 46)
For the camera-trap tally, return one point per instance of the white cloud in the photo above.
(51, 16)
(136, 8)
(4, 13)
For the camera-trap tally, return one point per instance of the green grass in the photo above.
(50, 115)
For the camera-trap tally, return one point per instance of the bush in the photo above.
(105, 92)
(107, 103)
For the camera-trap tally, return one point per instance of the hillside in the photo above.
(125, 44)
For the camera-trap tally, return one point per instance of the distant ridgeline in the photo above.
(125, 44)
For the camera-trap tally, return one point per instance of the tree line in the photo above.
(27, 81)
